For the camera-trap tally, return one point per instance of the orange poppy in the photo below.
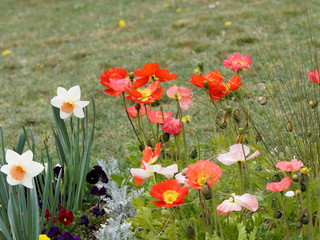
(146, 95)
(198, 174)
(116, 80)
(170, 193)
(151, 71)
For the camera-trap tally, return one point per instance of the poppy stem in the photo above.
(174, 222)
(202, 213)
(195, 226)
(240, 177)
(211, 116)
(183, 133)
(178, 149)
(125, 108)
(284, 215)
(155, 137)
(310, 224)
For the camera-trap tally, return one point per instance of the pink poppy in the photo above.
(314, 76)
(236, 154)
(183, 94)
(172, 126)
(133, 113)
(292, 166)
(156, 116)
(235, 203)
(237, 61)
(279, 186)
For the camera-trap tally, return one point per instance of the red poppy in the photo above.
(279, 186)
(64, 216)
(237, 61)
(170, 193)
(314, 76)
(116, 80)
(151, 71)
(172, 126)
(147, 95)
(133, 113)
(198, 173)
(156, 116)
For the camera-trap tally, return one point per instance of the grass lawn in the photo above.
(67, 43)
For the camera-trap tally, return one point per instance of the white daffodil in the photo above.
(69, 102)
(20, 168)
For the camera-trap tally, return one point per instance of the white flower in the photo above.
(69, 102)
(289, 194)
(20, 168)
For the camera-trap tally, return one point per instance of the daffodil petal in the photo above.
(56, 102)
(62, 92)
(74, 93)
(78, 112)
(34, 168)
(12, 157)
(64, 115)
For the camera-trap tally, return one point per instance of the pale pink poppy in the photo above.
(235, 202)
(292, 166)
(141, 174)
(279, 186)
(314, 76)
(156, 116)
(236, 154)
(172, 126)
(183, 94)
(133, 113)
(181, 179)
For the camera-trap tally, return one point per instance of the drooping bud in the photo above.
(277, 214)
(166, 137)
(313, 104)
(138, 106)
(206, 85)
(141, 147)
(221, 122)
(305, 218)
(276, 178)
(229, 109)
(289, 126)
(194, 154)
(236, 116)
(191, 232)
(295, 177)
(303, 187)
(263, 100)
(149, 143)
(298, 224)
(206, 191)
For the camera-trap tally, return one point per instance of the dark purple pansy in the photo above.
(84, 220)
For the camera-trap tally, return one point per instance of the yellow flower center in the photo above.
(202, 178)
(234, 63)
(67, 107)
(18, 172)
(65, 220)
(145, 94)
(227, 87)
(177, 96)
(153, 77)
(242, 62)
(170, 196)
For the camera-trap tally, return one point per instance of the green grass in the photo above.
(65, 43)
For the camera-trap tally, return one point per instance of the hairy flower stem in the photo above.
(284, 215)
(211, 116)
(155, 137)
(240, 177)
(125, 108)
(183, 133)
(195, 227)
(174, 223)
(198, 141)
(142, 130)
(310, 225)
(179, 153)
(204, 221)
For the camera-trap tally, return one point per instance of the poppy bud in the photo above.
(276, 178)
(289, 126)
(305, 219)
(166, 137)
(298, 224)
(200, 65)
(303, 187)
(206, 85)
(193, 154)
(131, 75)
(313, 104)
(258, 137)
(236, 116)
(221, 122)
(309, 134)
(206, 191)
(263, 100)
(149, 143)
(190, 232)
(295, 177)
(277, 215)
(138, 107)
(141, 147)
(241, 131)
(229, 109)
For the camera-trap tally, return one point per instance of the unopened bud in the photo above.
(166, 137)
(141, 147)
(131, 75)
(183, 172)
(236, 116)
(295, 177)
(289, 126)
(206, 191)
(263, 100)
(305, 219)
(206, 85)
(303, 187)
(200, 65)
(313, 104)
(190, 232)
(298, 224)
(193, 154)
(138, 106)
(309, 134)
(277, 215)
(229, 109)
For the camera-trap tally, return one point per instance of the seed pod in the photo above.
(289, 126)
(276, 178)
(295, 177)
(313, 104)
(138, 107)
(221, 122)
(166, 137)
(206, 191)
(194, 154)
(303, 187)
(263, 100)
(277, 215)
(191, 232)
(141, 147)
(236, 116)
(206, 85)
(298, 224)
